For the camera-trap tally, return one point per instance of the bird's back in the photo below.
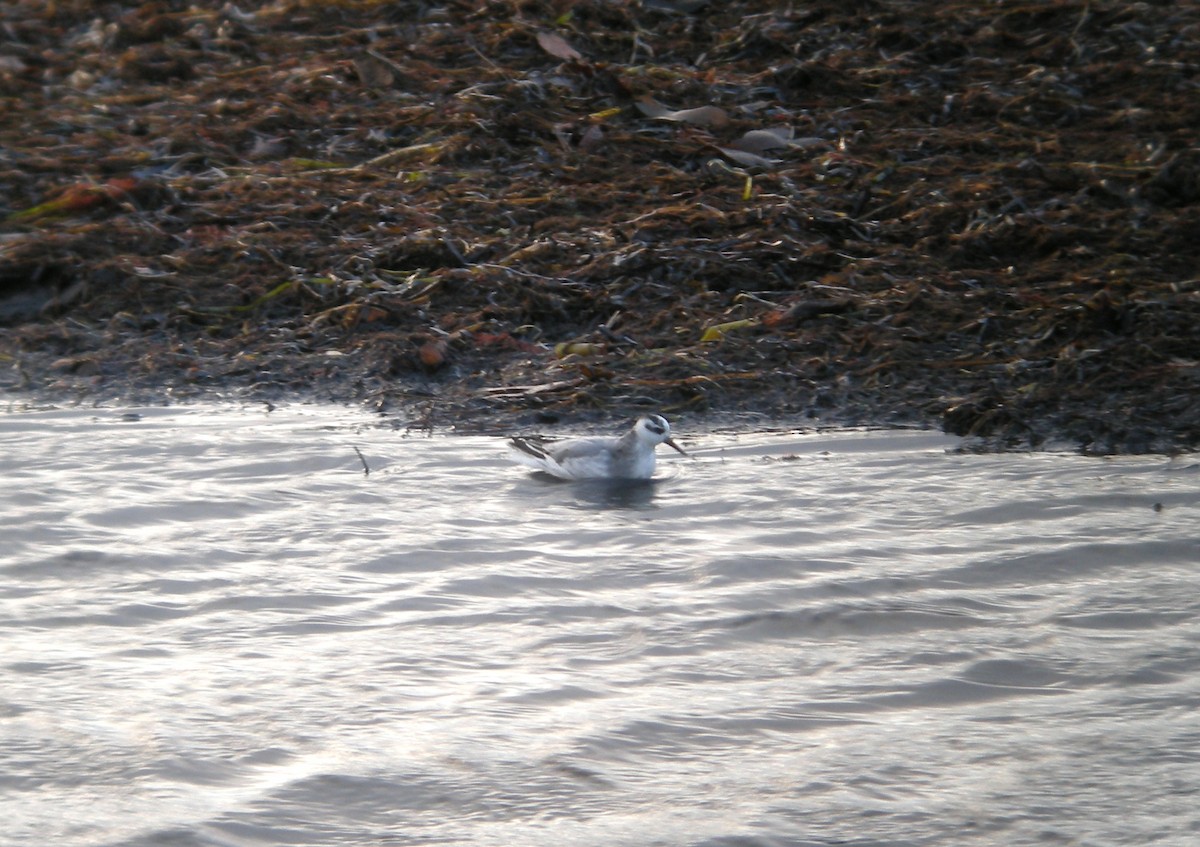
(584, 458)
(578, 458)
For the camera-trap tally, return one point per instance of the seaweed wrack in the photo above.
(487, 212)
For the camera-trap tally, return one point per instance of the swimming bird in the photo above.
(630, 456)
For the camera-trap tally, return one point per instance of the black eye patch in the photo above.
(657, 429)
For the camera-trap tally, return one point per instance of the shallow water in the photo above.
(215, 629)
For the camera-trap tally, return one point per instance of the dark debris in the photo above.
(984, 216)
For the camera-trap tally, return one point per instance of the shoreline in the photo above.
(452, 406)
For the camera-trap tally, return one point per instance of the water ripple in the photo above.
(218, 631)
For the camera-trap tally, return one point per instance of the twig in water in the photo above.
(366, 467)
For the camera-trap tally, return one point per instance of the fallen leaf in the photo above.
(651, 108)
(433, 354)
(592, 137)
(604, 114)
(808, 141)
(267, 148)
(577, 348)
(557, 46)
(783, 133)
(363, 313)
(804, 310)
(748, 160)
(374, 72)
(705, 116)
(78, 198)
(713, 116)
(717, 332)
(762, 140)
(504, 341)
(593, 373)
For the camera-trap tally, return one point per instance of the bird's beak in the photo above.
(676, 446)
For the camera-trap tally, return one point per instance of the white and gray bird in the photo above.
(630, 456)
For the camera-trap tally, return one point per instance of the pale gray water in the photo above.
(215, 630)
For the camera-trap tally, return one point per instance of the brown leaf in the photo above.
(805, 310)
(556, 46)
(79, 198)
(374, 72)
(504, 341)
(433, 354)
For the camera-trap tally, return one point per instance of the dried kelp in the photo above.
(982, 215)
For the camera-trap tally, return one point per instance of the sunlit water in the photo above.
(215, 629)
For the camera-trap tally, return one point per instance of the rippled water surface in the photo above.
(215, 629)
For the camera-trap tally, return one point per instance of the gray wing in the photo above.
(579, 448)
(577, 458)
